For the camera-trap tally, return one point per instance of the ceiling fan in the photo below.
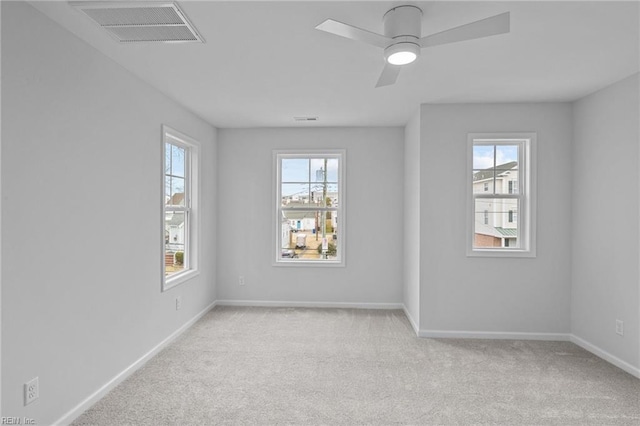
(403, 39)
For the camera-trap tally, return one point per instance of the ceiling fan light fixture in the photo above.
(402, 53)
(402, 39)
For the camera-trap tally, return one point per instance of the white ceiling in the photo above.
(264, 63)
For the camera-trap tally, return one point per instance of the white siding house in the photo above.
(497, 218)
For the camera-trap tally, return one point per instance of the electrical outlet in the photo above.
(31, 391)
(620, 327)
(241, 280)
(178, 303)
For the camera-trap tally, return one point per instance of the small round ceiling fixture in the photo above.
(402, 53)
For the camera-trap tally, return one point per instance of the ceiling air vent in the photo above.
(130, 22)
(305, 118)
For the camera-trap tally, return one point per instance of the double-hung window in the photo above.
(179, 207)
(309, 207)
(501, 220)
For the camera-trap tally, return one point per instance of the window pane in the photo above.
(302, 234)
(177, 161)
(167, 158)
(333, 197)
(324, 196)
(176, 197)
(295, 195)
(504, 170)
(483, 156)
(322, 166)
(492, 222)
(174, 240)
(506, 157)
(295, 170)
(332, 170)
(507, 181)
(483, 181)
(167, 189)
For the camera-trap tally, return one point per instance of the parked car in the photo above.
(289, 253)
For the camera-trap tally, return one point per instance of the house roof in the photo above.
(488, 173)
(176, 219)
(176, 199)
(295, 215)
(496, 231)
(302, 205)
(507, 232)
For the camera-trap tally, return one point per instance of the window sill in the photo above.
(501, 253)
(180, 278)
(310, 264)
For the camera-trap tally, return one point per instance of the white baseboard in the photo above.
(446, 334)
(414, 324)
(297, 304)
(562, 337)
(634, 371)
(75, 412)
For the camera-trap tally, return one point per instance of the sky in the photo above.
(483, 155)
(300, 171)
(297, 169)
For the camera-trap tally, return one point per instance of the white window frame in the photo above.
(526, 186)
(192, 195)
(278, 155)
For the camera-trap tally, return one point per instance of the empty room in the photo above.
(320, 212)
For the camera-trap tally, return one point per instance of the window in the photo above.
(501, 186)
(309, 207)
(179, 207)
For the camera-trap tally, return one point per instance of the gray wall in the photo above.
(412, 219)
(374, 213)
(605, 220)
(81, 226)
(493, 294)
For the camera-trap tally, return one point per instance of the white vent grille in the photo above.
(130, 22)
(305, 118)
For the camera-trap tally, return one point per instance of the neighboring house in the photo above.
(285, 229)
(176, 199)
(301, 220)
(303, 199)
(174, 225)
(496, 219)
(308, 220)
(174, 232)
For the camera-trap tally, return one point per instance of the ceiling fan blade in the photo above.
(389, 75)
(354, 33)
(494, 25)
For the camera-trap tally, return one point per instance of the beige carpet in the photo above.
(348, 367)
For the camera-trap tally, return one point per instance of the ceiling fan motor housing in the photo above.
(403, 21)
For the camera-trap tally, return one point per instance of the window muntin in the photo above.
(309, 207)
(178, 207)
(500, 192)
